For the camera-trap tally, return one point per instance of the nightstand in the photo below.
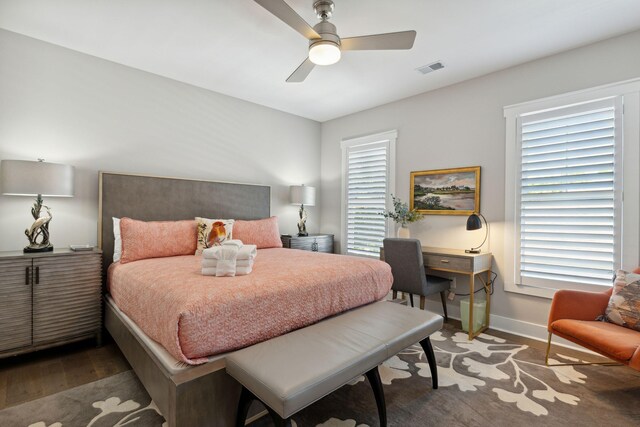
(312, 242)
(48, 299)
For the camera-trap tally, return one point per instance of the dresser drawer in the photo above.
(315, 243)
(448, 263)
(310, 244)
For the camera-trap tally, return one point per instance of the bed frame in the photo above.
(202, 395)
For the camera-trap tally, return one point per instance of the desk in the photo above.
(458, 262)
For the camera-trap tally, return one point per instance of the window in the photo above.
(570, 204)
(367, 182)
(566, 220)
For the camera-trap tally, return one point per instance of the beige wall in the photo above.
(463, 125)
(68, 107)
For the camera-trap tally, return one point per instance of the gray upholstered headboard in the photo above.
(152, 198)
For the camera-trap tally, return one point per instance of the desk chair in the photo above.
(409, 275)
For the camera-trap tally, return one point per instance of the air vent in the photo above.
(426, 69)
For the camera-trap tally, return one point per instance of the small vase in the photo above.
(403, 232)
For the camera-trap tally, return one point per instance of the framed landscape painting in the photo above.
(446, 191)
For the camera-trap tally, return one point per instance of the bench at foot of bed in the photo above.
(292, 371)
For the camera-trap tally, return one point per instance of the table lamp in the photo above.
(28, 178)
(302, 195)
(474, 223)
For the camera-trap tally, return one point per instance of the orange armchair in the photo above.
(572, 317)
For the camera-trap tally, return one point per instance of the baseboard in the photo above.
(524, 329)
(533, 331)
(530, 330)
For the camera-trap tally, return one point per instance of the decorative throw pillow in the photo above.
(624, 304)
(156, 239)
(263, 233)
(213, 232)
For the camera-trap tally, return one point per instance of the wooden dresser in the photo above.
(312, 242)
(49, 299)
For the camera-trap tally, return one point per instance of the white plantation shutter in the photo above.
(367, 165)
(569, 195)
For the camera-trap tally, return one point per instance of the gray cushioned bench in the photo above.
(290, 372)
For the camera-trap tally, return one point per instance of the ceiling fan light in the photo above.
(324, 53)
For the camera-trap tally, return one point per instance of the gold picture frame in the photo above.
(459, 187)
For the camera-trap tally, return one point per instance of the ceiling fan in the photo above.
(325, 46)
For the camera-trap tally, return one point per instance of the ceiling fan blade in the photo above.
(289, 16)
(400, 40)
(301, 72)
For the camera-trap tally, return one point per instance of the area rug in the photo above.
(485, 382)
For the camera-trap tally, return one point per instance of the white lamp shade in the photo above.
(26, 178)
(302, 195)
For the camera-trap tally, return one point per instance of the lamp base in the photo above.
(36, 249)
(302, 223)
(472, 251)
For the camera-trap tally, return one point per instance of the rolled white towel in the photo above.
(226, 269)
(247, 252)
(213, 263)
(209, 271)
(212, 252)
(233, 242)
(212, 271)
(243, 271)
(227, 261)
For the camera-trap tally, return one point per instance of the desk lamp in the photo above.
(474, 223)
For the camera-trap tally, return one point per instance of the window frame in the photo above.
(390, 138)
(628, 160)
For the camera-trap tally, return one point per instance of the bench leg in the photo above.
(278, 421)
(374, 379)
(246, 398)
(431, 358)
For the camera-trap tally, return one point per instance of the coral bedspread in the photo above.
(195, 316)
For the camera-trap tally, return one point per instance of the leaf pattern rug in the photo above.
(485, 382)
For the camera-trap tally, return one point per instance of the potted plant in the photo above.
(402, 215)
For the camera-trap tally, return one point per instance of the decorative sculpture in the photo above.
(33, 179)
(302, 222)
(38, 233)
(302, 195)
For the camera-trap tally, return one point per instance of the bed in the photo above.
(175, 337)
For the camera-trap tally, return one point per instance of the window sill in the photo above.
(548, 292)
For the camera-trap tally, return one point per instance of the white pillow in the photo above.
(117, 240)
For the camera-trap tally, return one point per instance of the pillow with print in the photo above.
(212, 232)
(624, 304)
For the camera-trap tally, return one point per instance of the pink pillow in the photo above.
(156, 239)
(263, 233)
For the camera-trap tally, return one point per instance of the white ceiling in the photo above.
(237, 48)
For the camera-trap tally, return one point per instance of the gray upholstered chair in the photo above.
(409, 275)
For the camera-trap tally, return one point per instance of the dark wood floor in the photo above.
(28, 377)
(32, 376)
